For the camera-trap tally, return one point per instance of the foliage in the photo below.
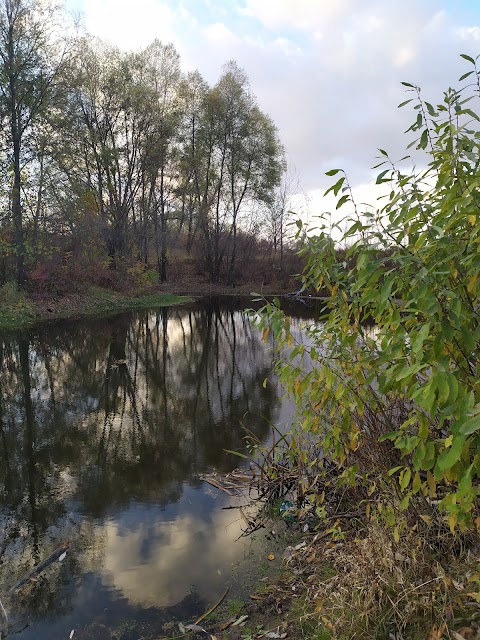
(396, 357)
(123, 150)
(71, 273)
(14, 304)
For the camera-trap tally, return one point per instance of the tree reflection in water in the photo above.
(103, 428)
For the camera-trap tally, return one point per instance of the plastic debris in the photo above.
(287, 511)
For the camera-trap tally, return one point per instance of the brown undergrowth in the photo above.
(369, 566)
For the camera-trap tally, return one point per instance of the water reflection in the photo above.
(103, 428)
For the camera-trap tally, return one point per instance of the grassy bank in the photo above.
(18, 311)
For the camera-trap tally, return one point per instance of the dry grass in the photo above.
(363, 574)
(373, 587)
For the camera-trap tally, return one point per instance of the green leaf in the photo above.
(402, 104)
(342, 201)
(237, 453)
(422, 335)
(380, 176)
(391, 472)
(423, 139)
(443, 387)
(465, 75)
(419, 455)
(336, 187)
(453, 383)
(411, 370)
(470, 426)
(332, 172)
(472, 114)
(392, 435)
(469, 58)
(407, 84)
(452, 455)
(404, 478)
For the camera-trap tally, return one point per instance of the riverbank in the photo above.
(363, 584)
(19, 311)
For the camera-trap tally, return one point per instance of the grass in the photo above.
(17, 311)
(235, 607)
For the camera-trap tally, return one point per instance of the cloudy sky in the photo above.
(327, 71)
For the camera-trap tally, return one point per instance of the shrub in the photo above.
(412, 268)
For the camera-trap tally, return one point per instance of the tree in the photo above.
(107, 126)
(279, 212)
(32, 56)
(159, 170)
(238, 161)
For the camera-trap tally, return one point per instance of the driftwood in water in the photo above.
(234, 483)
(36, 571)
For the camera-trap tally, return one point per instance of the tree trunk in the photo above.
(17, 209)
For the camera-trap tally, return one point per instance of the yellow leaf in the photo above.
(436, 633)
(472, 219)
(432, 485)
(318, 605)
(265, 333)
(472, 283)
(417, 482)
(327, 623)
(448, 441)
(452, 521)
(426, 519)
(474, 577)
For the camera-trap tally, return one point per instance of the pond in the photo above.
(105, 426)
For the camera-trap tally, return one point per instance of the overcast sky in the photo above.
(327, 71)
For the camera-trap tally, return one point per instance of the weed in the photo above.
(235, 606)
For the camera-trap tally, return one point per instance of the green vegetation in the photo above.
(17, 311)
(235, 606)
(386, 447)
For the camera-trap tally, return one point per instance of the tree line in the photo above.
(114, 155)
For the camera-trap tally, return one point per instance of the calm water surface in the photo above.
(104, 428)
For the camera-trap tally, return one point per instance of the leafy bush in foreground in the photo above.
(410, 378)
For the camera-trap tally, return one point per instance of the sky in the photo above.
(328, 72)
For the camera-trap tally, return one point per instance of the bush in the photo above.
(413, 270)
(62, 275)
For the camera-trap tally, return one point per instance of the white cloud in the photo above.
(302, 14)
(327, 72)
(130, 25)
(403, 56)
(220, 35)
(469, 33)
